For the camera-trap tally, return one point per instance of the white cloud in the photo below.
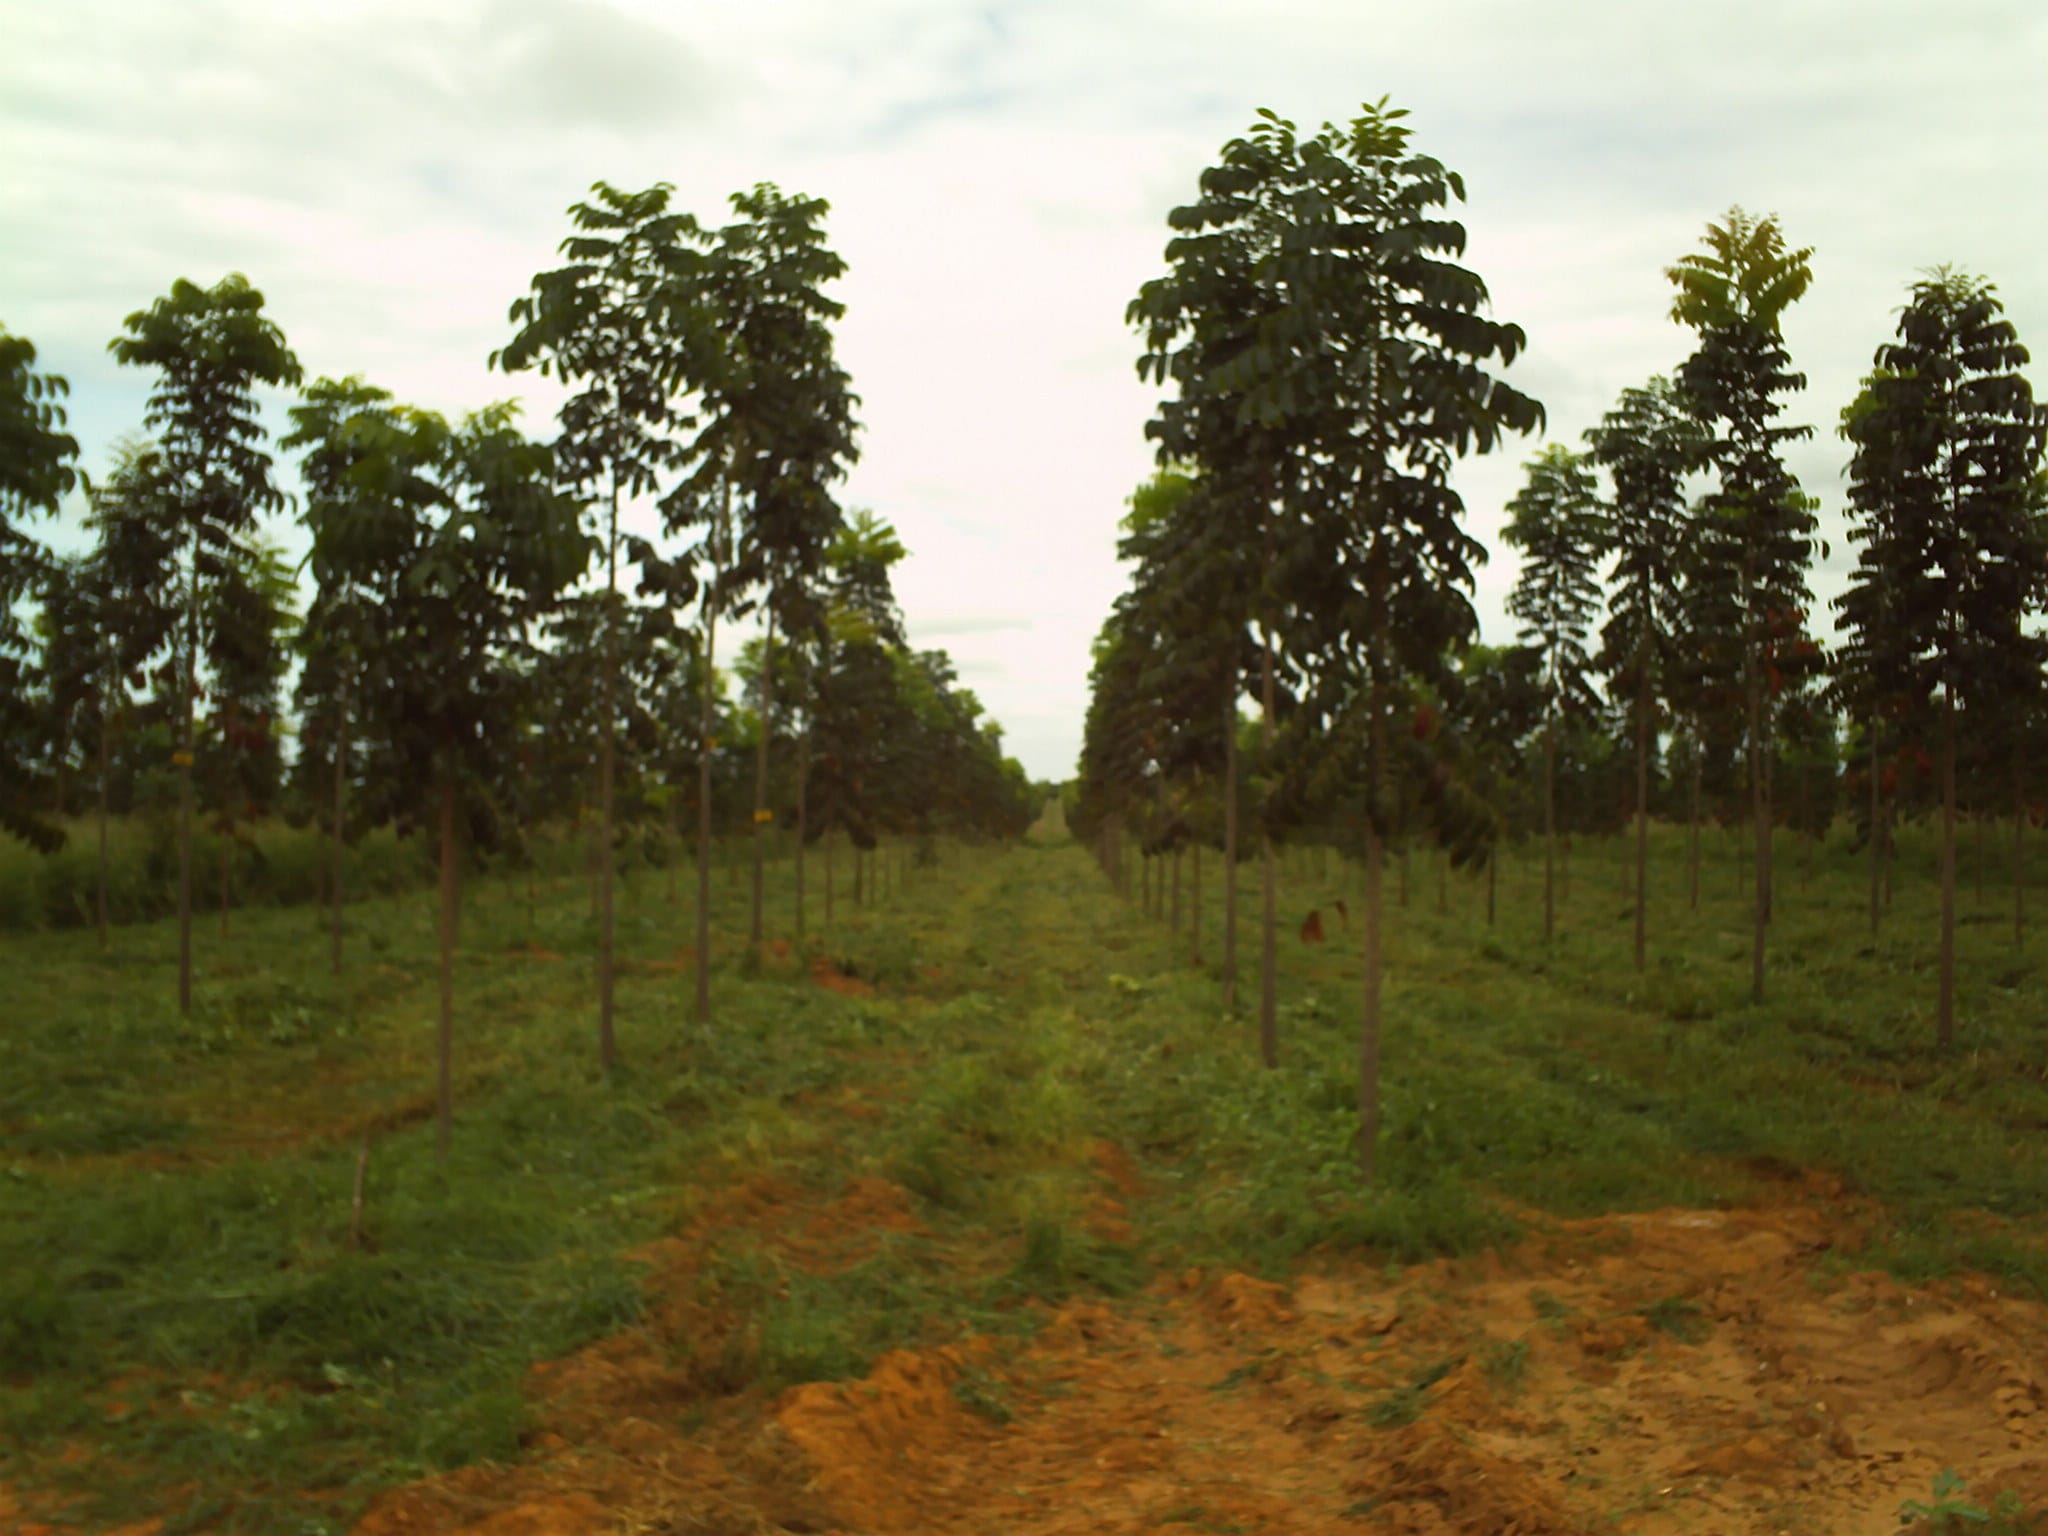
(392, 176)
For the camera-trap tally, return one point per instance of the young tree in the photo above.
(36, 472)
(1948, 440)
(1331, 361)
(1648, 445)
(775, 429)
(1557, 522)
(463, 532)
(1734, 294)
(212, 347)
(619, 324)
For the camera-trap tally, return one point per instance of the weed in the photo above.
(1506, 1363)
(1404, 1405)
(1681, 1318)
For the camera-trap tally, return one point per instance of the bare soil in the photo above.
(1659, 1373)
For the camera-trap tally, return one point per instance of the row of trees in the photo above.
(458, 667)
(1302, 543)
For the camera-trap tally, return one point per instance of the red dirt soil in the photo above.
(1525, 1393)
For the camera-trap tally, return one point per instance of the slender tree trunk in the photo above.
(335, 889)
(1195, 909)
(754, 931)
(184, 761)
(2019, 853)
(607, 1045)
(445, 1035)
(1945, 1008)
(1761, 804)
(1269, 1018)
(1401, 859)
(1876, 832)
(803, 776)
(1549, 829)
(100, 884)
(1369, 1010)
(1698, 768)
(1174, 925)
(827, 841)
(1493, 858)
(227, 842)
(675, 846)
(1144, 882)
(1642, 891)
(1443, 880)
(706, 744)
(1230, 838)
(1977, 820)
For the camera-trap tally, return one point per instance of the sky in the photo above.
(392, 175)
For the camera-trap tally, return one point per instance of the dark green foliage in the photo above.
(36, 472)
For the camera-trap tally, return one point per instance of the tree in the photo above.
(1557, 522)
(212, 347)
(1331, 361)
(36, 472)
(621, 321)
(775, 429)
(462, 530)
(1760, 525)
(1948, 441)
(1648, 445)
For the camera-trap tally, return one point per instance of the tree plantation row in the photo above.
(484, 652)
(1330, 360)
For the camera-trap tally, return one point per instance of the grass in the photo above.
(178, 1291)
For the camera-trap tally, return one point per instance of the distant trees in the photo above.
(1557, 523)
(1648, 445)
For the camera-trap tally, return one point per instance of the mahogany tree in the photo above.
(1948, 440)
(1759, 527)
(212, 348)
(36, 471)
(620, 324)
(1648, 444)
(460, 527)
(1557, 522)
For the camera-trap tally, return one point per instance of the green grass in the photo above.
(177, 1288)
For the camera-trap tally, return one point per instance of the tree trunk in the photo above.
(1945, 1007)
(227, 844)
(1195, 909)
(1269, 1018)
(1977, 819)
(706, 744)
(1443, 880)
(754, 931)
(1761, 804)
(335, 856)
(1493, 856)
(1698, 768)
(445, 1035)
(1549, 830)
(1876, 832)
(100, 885)
(1230, 840)
(1174, 924)
(827, 841)
(803, 775)
(2019, 854)
(1369, 1010)
(1642, 891)
(607, 1045)
(184, 762)
(1144, 882)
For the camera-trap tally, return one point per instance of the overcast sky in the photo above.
(392, 175)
